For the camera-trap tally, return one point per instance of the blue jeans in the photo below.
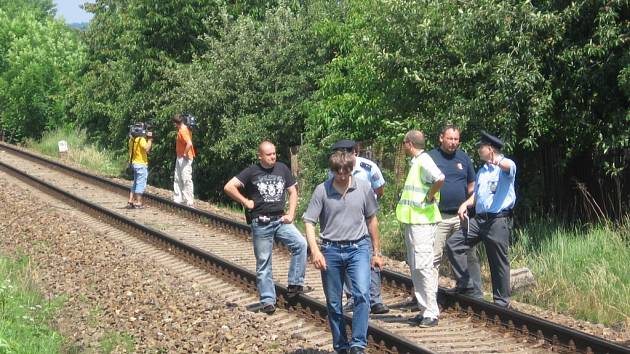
(375, 285)
(263, 236)
(352, 259)
(140, 175)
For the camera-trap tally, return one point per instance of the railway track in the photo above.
(221, 245)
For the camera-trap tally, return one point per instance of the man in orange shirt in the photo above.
(182, 182)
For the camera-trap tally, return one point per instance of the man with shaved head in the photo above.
(418, 211)
(261, 188)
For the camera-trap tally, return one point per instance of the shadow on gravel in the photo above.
(392, 319)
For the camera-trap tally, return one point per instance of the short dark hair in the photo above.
(341, 161)
(449, 127)
(178, 119)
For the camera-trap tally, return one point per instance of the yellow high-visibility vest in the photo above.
(412, 207)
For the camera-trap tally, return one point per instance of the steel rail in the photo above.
(551, 332)
(379, 335)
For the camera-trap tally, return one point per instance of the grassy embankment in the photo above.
(24, 313)
(80, 151)
(581, 272)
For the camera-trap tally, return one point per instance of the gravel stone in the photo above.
(110, 289)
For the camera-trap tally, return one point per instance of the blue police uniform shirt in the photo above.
(366, 170)
(494, 190)
(459, 172)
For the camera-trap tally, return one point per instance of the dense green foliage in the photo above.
(39, 59)
(131, 45)
(551, 78)
(244, 97)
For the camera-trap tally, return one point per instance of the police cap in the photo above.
(488, 139)
(344, 144)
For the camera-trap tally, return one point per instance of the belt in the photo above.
(343, 242)
(489, 216)
(264, 219)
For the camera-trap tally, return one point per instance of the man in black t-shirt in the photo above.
(458, 186)
(264, 187)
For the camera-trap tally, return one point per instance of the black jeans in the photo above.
(495, 234)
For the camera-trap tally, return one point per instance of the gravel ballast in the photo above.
(115, 292)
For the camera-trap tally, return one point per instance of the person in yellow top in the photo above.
(139, 148)
(182, 180)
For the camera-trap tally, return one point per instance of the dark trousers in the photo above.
(495, 235)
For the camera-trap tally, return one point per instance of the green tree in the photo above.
(251, 84)
(131, 45)
(41, 9)
(550, 78)
(39, 58)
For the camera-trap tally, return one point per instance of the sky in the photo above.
(71, 11)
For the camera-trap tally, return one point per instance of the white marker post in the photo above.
(63, 149)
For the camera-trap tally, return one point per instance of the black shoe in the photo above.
(379, 309)
(268, 309)
(416, 320)
(428, 322)
(130, 206)
(357, 350)
(294, 290)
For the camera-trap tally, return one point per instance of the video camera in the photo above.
(189, 120)
(140, 129)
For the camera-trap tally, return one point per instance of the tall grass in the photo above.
(80, 151)
(24, 314)
(581, 271)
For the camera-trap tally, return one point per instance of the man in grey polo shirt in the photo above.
(346, 209)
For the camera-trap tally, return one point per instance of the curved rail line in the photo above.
(552, 333)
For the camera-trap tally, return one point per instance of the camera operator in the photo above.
(182, 180)
(139, 147)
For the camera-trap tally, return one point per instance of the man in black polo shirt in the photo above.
(265, 185)
(458, 186)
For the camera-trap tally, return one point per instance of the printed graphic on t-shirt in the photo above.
(270, 187)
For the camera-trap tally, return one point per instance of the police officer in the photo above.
(493, 199)
(368, 171)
